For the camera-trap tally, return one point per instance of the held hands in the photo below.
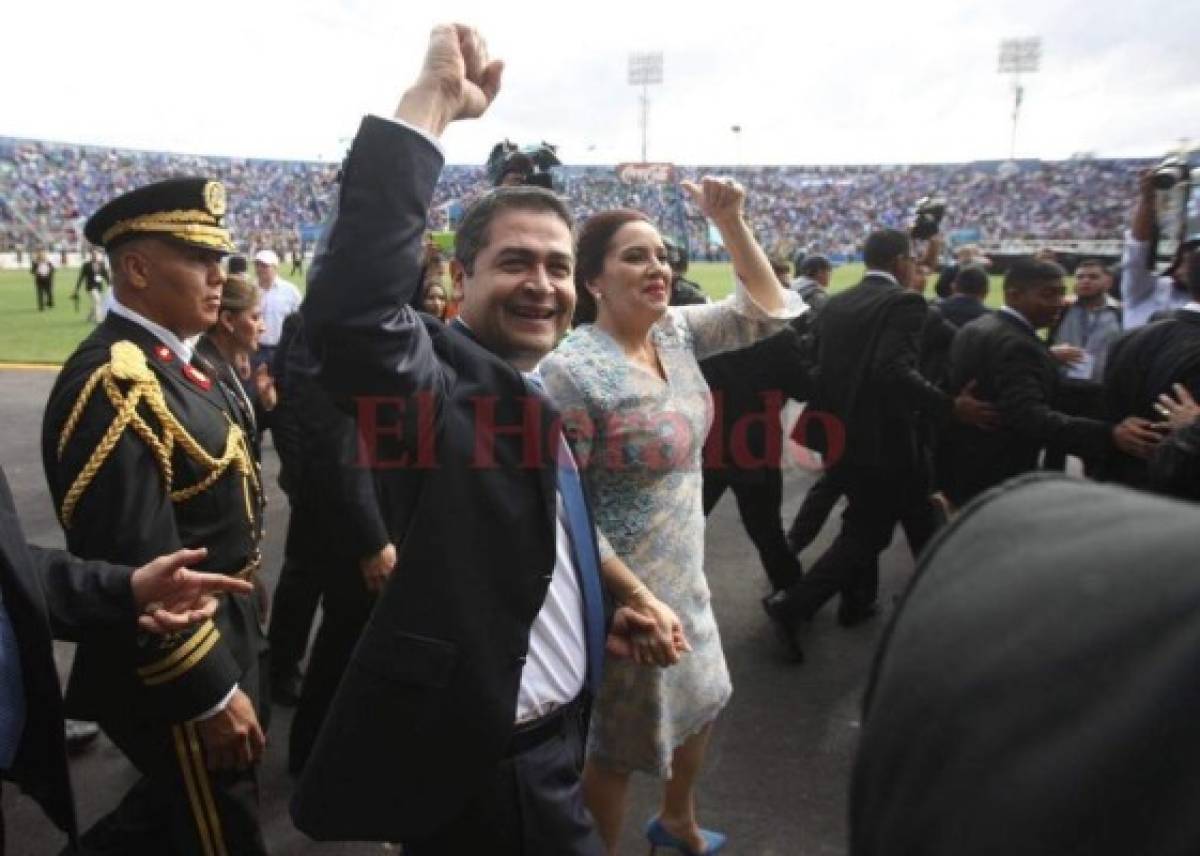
(233, 739)
(172, 597)
(658, 638)
(975, 411)
(377, 568)
(457, 80)
(721, 200)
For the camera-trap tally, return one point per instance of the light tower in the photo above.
(1017, 57)
(645, 69)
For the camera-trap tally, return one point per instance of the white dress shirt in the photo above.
(184, 349)
(556, 664)
(1143, 291)
(278, 302)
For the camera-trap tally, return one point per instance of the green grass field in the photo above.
(29, 336)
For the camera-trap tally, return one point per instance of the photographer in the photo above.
(1144, 291)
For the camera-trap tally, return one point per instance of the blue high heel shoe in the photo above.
(658, 837)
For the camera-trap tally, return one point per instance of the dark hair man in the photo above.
(684, 292)
(1144, 292)
(457, 727)
(1003, 354)
(1147, 363)
(43, 280)
(146, 451)
(812, 280)
(866, 346)
(1080, 340)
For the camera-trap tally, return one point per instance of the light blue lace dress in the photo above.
(639, 440)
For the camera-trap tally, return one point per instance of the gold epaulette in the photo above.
(128, 381)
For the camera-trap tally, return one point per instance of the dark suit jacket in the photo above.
(867, 348)
(960, 309)
(50, 593)
(128, 513)
(426, 707)
(749, 388)
(1143, 364)
(1016, 373)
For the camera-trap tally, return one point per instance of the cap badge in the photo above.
(214, 198)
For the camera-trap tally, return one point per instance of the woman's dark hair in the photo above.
(591, 248)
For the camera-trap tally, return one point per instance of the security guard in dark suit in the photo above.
(146, 451)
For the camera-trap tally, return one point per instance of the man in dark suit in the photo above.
(457, 726)
(146, 451)
(867, 348)
(1147, 363)
(337, 536)
(50, 593)
(1013, 368)
(744, 446)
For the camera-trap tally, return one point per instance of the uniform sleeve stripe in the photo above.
(179, 669)
(179, 653)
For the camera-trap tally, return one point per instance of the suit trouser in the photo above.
(178, 807)
(759, 507)
(815, 510)
(45, 297)
(346, 605)
(531, 805)
(876, 500)
(294, 604)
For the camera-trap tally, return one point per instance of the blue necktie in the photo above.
(12, 691)
(583, 544)
(581, 534)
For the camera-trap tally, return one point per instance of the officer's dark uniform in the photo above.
(145, 454)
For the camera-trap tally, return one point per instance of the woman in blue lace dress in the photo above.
(637, 411)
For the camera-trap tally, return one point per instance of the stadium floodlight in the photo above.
(1017, 57)
(645, 70)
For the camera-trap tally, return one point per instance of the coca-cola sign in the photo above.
(646, 173)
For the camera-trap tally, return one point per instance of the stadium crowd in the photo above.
(501, 504)
(53, 185)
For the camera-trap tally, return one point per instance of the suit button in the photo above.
(519, 661)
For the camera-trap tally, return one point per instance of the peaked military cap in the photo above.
(191, 210)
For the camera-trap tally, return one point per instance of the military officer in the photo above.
(146, 452)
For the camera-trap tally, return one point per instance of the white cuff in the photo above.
(216, 708)
(437, 144)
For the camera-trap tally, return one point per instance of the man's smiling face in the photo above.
(519, 298)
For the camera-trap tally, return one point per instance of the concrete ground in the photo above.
(778, 767)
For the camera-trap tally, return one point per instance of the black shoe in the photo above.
(285, 687)
(785, 623)
(79, 733)
(852, 614)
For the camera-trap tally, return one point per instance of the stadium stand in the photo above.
(48, 188)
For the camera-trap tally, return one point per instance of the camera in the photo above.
(930, 211)
(1170, 172)
(509, 164)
